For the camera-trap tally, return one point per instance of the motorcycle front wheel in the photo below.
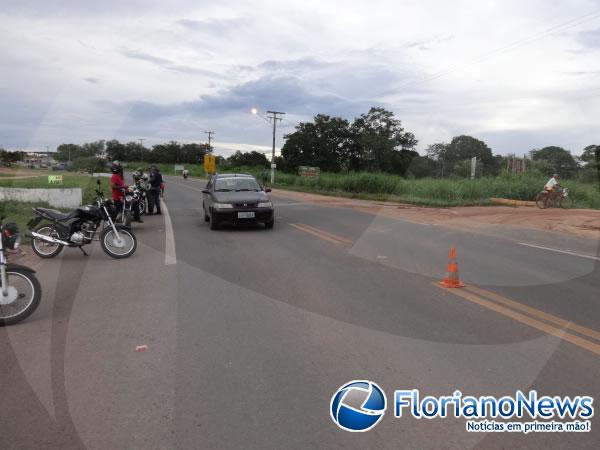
(122, 246)
(22, 298)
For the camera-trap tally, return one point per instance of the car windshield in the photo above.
(236, 184)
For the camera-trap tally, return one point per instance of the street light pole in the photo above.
(210, 133)
(274, 118)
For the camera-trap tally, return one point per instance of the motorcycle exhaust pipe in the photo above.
(49, 239)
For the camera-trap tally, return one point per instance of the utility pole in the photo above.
(210, 133)
(141, 148)
(273, 116)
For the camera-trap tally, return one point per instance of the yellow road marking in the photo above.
(535, 312)
(321, 234)
(534, 323)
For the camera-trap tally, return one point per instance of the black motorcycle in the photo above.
(20, 290)
(139, 193)
(125, 216)
(79, 227)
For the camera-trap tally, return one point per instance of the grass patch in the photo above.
(20, 213)
(85, 182)
(431, 191)
(437, 192)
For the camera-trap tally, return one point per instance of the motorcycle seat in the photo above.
(54, 214)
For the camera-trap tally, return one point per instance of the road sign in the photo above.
(210, 165)
(306, 171)
(178, 168)
(273, 166)
(55, 179)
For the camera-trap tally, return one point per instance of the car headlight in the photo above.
(265, 205)
(222, 205)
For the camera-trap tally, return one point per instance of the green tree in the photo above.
(590, 153)
(134, 151)
(193, 153)
(463, 148)
(253, 159)
(324, 143)
(116, 151)
(556, 159)
(422, 166)
(437, 154)
(377, 135)
(68, 152)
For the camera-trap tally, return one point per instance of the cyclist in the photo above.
(553, 186)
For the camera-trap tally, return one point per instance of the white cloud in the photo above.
(518, 73)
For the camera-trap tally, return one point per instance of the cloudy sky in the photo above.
(518, 74)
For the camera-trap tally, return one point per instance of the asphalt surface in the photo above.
(251, 331)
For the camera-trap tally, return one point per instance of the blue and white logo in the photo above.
(358, 405)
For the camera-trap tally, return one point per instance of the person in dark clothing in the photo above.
(154, 192)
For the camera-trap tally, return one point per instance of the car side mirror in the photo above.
(267, 189)
(205, 191)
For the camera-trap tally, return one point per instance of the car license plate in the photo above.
(245, 215)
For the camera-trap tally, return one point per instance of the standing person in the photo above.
(154, 191)
(117, 183)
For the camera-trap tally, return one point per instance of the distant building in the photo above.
(39, 159)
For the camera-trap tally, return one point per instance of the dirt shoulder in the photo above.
(578, 222)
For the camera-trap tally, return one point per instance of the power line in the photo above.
(513, 45)
(274, 118)
(210, 134)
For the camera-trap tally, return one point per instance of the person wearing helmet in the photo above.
(553, 186)
(117, 183)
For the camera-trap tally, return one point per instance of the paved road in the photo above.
(251, 332)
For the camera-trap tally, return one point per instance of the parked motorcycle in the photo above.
(79, 227)
(142, 200)
(125, 216)
(20, 290)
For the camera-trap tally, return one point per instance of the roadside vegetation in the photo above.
(373, 157)
(86, 182)
(437, 192)
(20, 212)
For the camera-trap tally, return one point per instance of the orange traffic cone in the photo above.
(452, 280)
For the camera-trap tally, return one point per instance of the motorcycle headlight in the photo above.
(222, 205)
(265, 205)
(10, 236)
(128, 198)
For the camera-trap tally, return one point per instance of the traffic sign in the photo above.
(210, 165)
